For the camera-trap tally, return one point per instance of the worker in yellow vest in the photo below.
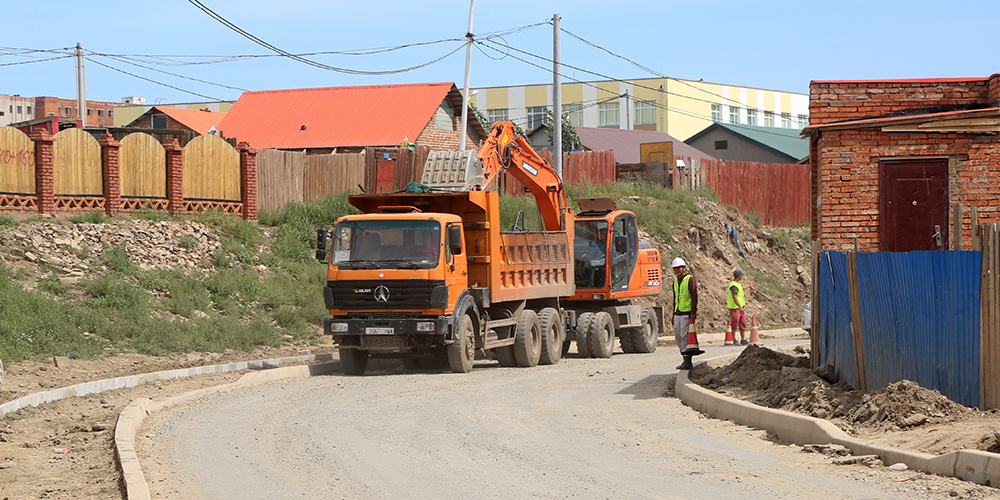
(736, 303)
(685, 310)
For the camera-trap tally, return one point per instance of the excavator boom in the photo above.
(505, 149)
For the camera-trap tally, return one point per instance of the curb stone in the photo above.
(969, 465)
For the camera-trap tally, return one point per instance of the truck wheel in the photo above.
(353, 361)
(462, 352)
(625, 336)
(552, 335)
(582, 336)
(644, 338)
(602, 335)
(528, 339)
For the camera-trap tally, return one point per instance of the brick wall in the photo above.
(448, 140)
(848, 180)
(146, 121)
(845, 101)
(54, 106)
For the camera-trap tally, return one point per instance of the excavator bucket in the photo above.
(452, 171)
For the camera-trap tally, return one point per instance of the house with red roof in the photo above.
(199, 121)
(344, 119)
(893, 161)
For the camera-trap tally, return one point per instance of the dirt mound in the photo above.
(903, 414)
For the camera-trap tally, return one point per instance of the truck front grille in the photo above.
(384, 294)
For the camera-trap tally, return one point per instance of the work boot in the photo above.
(686, 365)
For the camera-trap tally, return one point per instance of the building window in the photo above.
(69, 111)
(496, 115)
(645, 113)
(1, 113)
(111, 113)
(751, 116)
(786, 120)
(609, 114)
(716, 113)
(159, 121)
(100, 112)
(573, 114)
(29, 110)
(90, 112)
(19, 110)
(769, 118)
(734, 114)
(803, 121)
(536, 117)
(721, 145)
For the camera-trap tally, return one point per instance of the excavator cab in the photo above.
(606, 251)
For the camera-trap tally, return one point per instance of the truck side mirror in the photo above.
(454, 235)
(321, 236)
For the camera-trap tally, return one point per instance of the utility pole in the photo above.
(628, 114)
(557, 156)
(662, 127)
(468, 63)
(81, 87)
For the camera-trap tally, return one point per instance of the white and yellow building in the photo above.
(680, 108)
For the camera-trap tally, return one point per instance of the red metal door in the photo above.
(913, 211)
(384, 171)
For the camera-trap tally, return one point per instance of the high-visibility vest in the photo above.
(682, 294)
(739, 296)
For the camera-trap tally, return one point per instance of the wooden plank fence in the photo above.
(989, 316)
(778, 193)
(579, 167)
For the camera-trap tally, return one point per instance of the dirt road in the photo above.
(585, 428)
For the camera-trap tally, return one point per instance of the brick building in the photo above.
(892, 159)
(99, 113)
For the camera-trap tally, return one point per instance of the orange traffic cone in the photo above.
(692, 342)
(754, 335)
(729, 335)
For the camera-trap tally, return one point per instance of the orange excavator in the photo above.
(429, 277)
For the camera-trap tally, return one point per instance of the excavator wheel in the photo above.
(602, 335)
(552, 335)
(528, 339)
(643, 339)
(582, 334)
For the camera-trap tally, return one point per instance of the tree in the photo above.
(570, 140)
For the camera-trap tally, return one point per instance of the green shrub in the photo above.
(117, 259)
(94, 217)
(7, 221)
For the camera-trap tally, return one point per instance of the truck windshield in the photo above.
(387, 244)
(590, 249)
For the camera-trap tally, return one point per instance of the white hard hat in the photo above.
(678, 262)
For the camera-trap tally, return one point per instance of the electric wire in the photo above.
(126, 61)
(154, 81)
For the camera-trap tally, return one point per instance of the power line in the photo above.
(303, 60)
(126, 61)
(154, 81)
(35, 61)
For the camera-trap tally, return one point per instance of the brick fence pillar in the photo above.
(248, 180)
(175, 176)
(111, 173)
(44, 168)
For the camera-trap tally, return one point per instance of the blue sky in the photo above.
(763, 44)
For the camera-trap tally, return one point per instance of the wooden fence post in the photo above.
(957, 225)
(111, 171)
(44, 168)
(175, 176)
(857, 336)
(248, 180)
(989, 318)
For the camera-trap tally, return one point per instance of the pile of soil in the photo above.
(903, 415)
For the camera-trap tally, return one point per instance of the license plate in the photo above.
(373, 330)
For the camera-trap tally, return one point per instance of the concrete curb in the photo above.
(970, 465)
(132, 417)
(145, 378)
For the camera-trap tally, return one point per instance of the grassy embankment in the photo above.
(161, 312)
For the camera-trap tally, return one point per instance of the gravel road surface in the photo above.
(584, 428)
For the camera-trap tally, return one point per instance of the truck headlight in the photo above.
(339, 327)
(425, 326)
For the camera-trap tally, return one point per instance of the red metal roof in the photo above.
(330, 117)
(198, 120)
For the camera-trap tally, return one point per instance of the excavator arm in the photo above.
(505, 149)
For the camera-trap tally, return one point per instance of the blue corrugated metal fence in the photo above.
(919, 318)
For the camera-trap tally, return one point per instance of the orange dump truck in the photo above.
(430, 278)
